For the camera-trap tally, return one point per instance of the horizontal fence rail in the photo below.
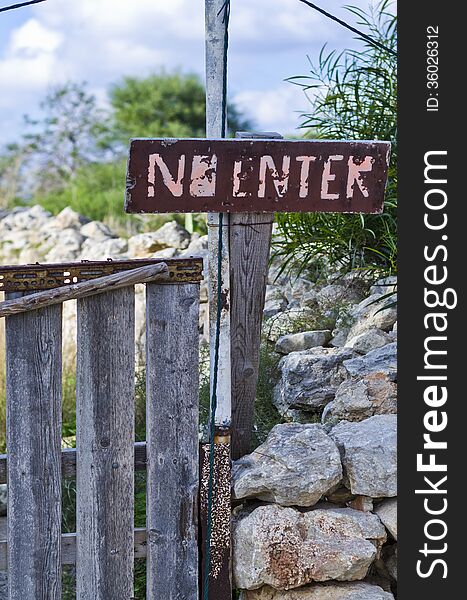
(104, 462)
(69, 462)
(82, 290)
(68, 548)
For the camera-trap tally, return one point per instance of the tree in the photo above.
(354, 96)
(12, 162)
(164, 105)
(65, 138)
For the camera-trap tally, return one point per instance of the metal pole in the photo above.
(215, 514)
(216, 68)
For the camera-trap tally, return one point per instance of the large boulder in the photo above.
(309, 379)
(359, 399)
(286, 549)
(382, 360)
(282, 323)
(369, 455)
(386, 285)
(323, 591)
(296, 466)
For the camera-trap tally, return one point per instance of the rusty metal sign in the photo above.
(37, 277)
(238, 175)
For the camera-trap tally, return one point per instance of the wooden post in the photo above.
(104, 439)
(220, 572)
(34, 392)
(172, 350)
(250, 241)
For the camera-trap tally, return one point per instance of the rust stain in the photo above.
(22, 278)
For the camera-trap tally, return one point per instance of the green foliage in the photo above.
(11, 162)
(65, 138)
(353, 96)
(163, 105)
(75, 154)
(266, 415)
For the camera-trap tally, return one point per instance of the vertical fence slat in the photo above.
(34, 347)
(172, 441)
(105, 437)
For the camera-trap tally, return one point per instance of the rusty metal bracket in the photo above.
(37, 277)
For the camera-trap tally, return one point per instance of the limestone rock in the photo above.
(386, 285)
(275, 302)
(296, 466)
(339, 336)
(358, 399)
(143, 244)
(381, 360)
(284, 322)
(325, 591)
(363, 503)
(197, 247)
(369, 455)
(295, 342)
(96, 231)
(66, 246)
(369, 340)
(345, 292)
(286, 549)
(309, 379)
(68, 219)
(25, 218)
(387, 512)
(375, 312)
(103, 249)
(172, 235)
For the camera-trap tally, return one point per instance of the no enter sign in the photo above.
(240, 175)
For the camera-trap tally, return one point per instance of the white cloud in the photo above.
(34, 38)
(100, 41)
(277, 109)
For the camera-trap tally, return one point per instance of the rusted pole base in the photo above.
(220, 575)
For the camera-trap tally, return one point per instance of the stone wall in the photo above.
(317, 513)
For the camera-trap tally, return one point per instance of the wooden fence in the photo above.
(106, 543)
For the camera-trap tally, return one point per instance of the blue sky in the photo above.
(100, 41)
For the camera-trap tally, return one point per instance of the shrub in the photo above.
(353, 96)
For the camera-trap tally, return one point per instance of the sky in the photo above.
(101, 41)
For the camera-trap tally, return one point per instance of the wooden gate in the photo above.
(105, 544)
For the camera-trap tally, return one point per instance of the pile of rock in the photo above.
(317, 514)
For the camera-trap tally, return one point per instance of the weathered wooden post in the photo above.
(250, 241)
